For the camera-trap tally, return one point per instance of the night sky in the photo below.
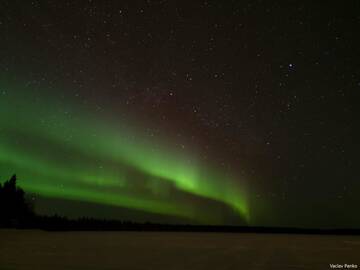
(211, 112)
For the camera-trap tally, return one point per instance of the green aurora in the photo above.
(62, 150)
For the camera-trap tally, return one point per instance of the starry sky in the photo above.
(204, 112)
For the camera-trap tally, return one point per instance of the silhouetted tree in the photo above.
(14, 210)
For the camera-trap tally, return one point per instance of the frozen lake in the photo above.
(40, 250)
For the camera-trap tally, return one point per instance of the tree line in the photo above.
(16, 211)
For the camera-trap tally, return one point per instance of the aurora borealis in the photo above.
(90, 161)
(204, 112)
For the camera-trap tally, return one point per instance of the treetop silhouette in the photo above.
(13, 206)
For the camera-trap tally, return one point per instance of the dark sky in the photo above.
(264, 90)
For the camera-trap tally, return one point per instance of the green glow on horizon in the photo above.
(86, 158)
